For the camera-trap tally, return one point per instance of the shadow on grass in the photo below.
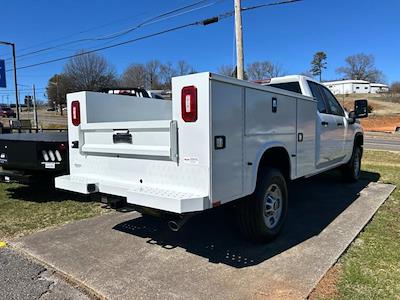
(313, 204)
(42, 192)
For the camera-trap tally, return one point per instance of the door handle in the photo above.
(324, 123)
(122, 137)
(339, 124)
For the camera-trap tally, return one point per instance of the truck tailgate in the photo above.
(130, 147)
(141, 138)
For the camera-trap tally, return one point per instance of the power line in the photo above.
(201, 22)
(270, 4)
(79, 32)
(109, 47)
(21, 90)
(158, 18)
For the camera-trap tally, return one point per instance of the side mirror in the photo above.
(360, 109)
(351, 117)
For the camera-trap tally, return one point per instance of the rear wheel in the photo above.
(262, 215)
(352, 170)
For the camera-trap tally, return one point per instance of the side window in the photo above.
(333, 104)
(288, 86)
(318, 95)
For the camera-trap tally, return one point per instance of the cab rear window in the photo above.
(288, 86)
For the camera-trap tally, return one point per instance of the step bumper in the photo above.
(148, 196)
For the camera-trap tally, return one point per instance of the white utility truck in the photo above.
(220, 139)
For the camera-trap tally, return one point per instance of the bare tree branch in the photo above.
(134, 76)
(259, 70)
(227, 70)
(183, 68)
(361, 67)
(89, 72)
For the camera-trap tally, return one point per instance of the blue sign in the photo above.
(2, 74)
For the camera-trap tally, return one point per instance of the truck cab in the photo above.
(336, 132)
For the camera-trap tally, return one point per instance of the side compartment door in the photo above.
(305, 147)
(227, 140)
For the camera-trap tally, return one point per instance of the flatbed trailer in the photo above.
(27, 157)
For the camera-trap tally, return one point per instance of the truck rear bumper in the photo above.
(19, 176)
(167, 200)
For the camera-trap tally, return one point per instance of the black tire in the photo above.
(352, 170)
(252, 214)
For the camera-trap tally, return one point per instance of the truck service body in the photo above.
(210, 145)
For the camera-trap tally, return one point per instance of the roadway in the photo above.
(382, 141)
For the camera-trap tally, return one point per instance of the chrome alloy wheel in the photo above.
(272, 206)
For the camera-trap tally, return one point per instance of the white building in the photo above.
(379, 88)
(348, 86)
(355, 87)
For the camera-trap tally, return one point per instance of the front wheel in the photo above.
(262, 215)
(352, 170)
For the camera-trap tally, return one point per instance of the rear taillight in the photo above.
(62, 147)
(75, 113)
(189, 104)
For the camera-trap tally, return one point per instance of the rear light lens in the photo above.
(76, 113)
(45, 155)
(189, 104)
(51, 155)
(62, 147)
(58, 155)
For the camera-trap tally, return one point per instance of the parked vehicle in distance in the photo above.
(219, 140)
(7, 112)
(155, 94)
(128, 91)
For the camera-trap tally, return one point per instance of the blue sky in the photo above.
(286, 34)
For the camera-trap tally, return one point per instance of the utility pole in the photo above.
(239, 40)
(15, 80)
(15, 75)
(35, 120)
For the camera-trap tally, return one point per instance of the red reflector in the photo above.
(62, 147)
(75, 113)
(215, 204)
(189, 103)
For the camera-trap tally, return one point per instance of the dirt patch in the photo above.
(327, 287)
(381, 104)
(385, 115)
(386, 123)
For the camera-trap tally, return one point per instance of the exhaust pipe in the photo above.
(176, 224)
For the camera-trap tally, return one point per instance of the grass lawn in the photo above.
(370, 269)
(25, 209)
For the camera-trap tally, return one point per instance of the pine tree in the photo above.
(318, 64)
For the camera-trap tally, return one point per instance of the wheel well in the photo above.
(359, 141)
(277, 158)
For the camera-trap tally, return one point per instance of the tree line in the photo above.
(92, 72)
(359, 66)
